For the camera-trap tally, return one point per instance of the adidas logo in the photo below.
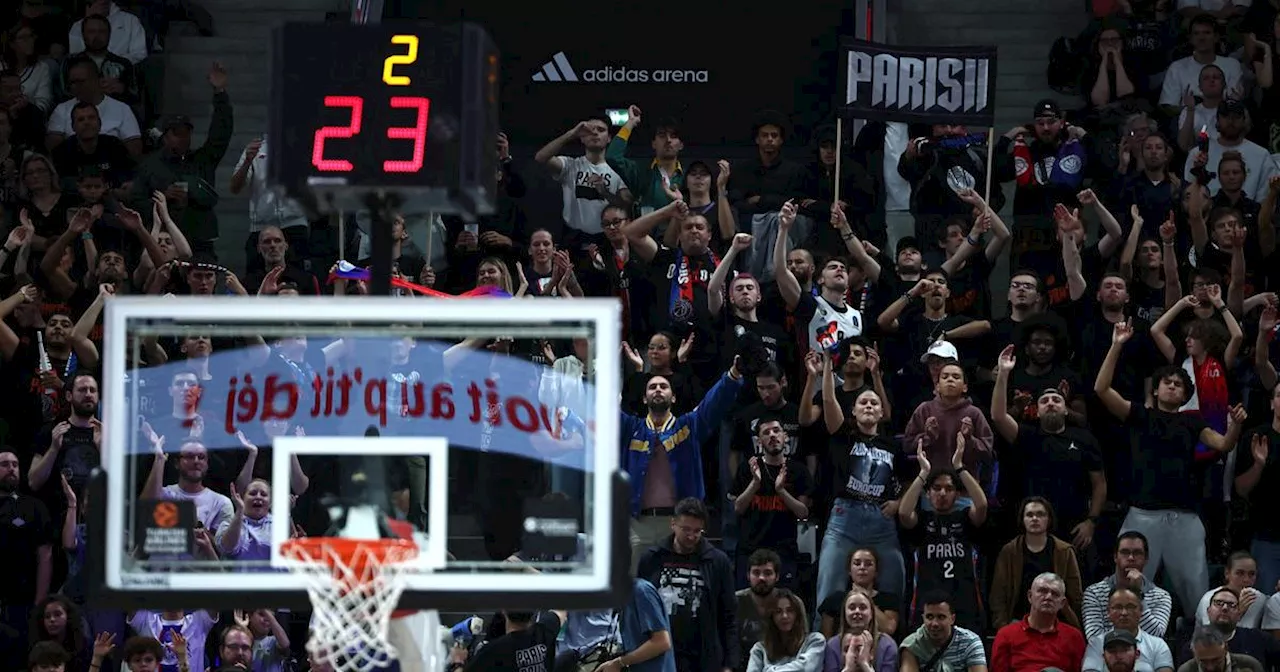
(558, 70)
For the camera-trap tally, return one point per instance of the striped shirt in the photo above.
(1157, 605)
(965, 651)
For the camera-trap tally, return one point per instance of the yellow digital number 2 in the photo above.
(389, 65)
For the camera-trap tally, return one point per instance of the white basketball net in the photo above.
(351, 610)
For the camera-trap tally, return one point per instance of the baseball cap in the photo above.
(941, 349)
(1230, 106)
(908, 242)
(172, 121)
(1047, 108)
(1119, 637)
(697, 165)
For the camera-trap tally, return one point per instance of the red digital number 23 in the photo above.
(417, 133)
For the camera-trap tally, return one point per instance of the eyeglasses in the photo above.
(1225, 604)
(613, 223)
(1126, 608)
(1022, 285)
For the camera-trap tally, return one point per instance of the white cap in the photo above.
(940, 348)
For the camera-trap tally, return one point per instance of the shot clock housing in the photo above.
(409, 109)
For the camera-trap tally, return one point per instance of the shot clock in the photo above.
(405, 108)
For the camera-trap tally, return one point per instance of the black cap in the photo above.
(1047, 108)
(172, 121)
(910, 242)
(1119, 637)
(699, 164)
(1231, 106)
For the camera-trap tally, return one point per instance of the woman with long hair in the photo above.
(786, 645)
(864, 569)
(858, 628)
(20, 56)
(57, 619)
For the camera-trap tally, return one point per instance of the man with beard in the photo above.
(755, 602)
(823, 319)
(277, 267)
(1224, 616)
(662, 454)
(74, 445)
(212, 508)
(1233, 126)
(235, 647)
(680, 280)
(1055, 461)
(587, 183)
(771, 493)
(26, 535)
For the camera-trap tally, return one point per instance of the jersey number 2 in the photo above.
(949, 569)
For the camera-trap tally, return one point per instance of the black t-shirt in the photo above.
(922, 332)
(78, 453)
(1262, 498)
(1165, 472)
(768, 523)
(1057, 467)
(777, 342)
(109, 156)
(866, 468)
(1138, 357)
(745, 422)
(1146, 301)
(530, 650)
(970, 291)
(1219, 260)
(1049, 265)
(1033, 564)
(833, 604)
(25, 526)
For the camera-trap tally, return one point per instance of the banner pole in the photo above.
(991, 153)
(839, 151)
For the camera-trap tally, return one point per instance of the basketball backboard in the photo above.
(505, 464)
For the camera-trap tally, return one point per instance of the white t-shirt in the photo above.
(1258, 163)
(117, 119)
(583, 205)
(1186, 72)
(128, 38)
(212, 509)
(1211, 5)
(1206, 118)
(194, 626)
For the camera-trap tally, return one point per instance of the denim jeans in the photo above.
(853, 524)
(1267, 553)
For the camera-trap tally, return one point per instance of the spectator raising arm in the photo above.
(639, 229)
(86, 350)
(1169, 259)
(549, 154)
(8, 339)
(788, 286)
(984, 219)
(857, 250)
(1113, 235)
(1001, 421)
(1111, 400)
(1262, 348)
(60, 283)
(715, 286)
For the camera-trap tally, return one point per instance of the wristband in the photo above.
(961, 471)
(86, 236)
(975, 243)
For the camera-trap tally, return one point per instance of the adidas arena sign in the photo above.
(558, 69)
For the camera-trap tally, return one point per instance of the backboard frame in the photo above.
(608, 584)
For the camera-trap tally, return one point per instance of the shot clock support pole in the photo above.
(381, 245)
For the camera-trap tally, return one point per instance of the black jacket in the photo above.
(719, 627)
